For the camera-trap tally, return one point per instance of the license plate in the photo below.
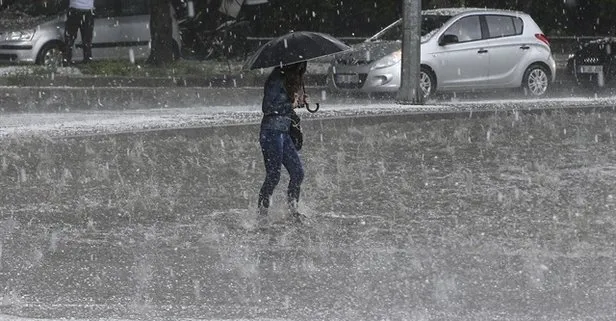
(591, 69)
(347, 78)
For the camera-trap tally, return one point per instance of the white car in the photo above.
(462, 49)
(121, 31)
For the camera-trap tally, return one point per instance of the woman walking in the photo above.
(282, 94)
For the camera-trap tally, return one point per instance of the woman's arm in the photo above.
(276, 101)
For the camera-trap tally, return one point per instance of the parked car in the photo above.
(462, 49)
(593, 65)
(121, 31)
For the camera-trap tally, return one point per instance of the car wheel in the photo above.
(50, 55)
(427, 82)
(536, 81)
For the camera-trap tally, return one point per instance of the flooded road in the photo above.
(507, 216)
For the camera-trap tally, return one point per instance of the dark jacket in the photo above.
(277, 105)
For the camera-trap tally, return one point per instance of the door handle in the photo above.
(482, 51)
(524, 47)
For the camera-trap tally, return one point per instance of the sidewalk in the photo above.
(97, 122)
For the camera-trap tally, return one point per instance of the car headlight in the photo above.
(20, 35)
(389, 60)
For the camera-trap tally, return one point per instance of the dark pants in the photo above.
(278, 150)
(82, 20)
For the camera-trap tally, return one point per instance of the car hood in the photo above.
(367, 52)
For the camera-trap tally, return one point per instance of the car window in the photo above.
(393, 33)
(519, 25)
(466, 29)
(431, 23)
(503, 26)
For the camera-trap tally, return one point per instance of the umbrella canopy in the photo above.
(294, 47)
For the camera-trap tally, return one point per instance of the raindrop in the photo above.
(285, 44)
(323, 95)
(131, 55)
(459, 72)
(596, 138)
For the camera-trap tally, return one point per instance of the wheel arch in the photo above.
(431, 70)
(52, 42)
(538, 63)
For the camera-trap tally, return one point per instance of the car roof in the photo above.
(456, 11)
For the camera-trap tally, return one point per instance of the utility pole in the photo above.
(410, 93)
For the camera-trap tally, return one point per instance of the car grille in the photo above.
(591, 60)
(8, 57)
(353, 61)
(348, 83)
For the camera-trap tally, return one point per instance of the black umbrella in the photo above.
(295, 47)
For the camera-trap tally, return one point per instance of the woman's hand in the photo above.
(300, 102)
(296, 103)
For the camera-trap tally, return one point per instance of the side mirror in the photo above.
(447, 39)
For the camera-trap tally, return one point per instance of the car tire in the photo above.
(50, 55)
(536, 81)
(427, 82)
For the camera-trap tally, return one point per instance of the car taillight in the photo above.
(543, 38)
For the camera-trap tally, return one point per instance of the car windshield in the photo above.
(429, 25)
(34, 8)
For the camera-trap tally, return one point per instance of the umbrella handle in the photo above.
(312, 110)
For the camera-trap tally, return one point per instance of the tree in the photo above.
(161, 33)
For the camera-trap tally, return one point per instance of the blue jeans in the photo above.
(278, 150)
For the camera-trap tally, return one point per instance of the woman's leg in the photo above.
(272, 147)
(293, 164)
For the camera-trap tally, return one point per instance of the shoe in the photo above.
(262, 218)
(295, 215)
(298, 218)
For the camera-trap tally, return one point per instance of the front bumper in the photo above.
(361, 78)
(13, 51)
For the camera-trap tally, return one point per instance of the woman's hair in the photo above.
(294, 77)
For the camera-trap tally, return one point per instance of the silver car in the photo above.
(121, 31)
(462, 49)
